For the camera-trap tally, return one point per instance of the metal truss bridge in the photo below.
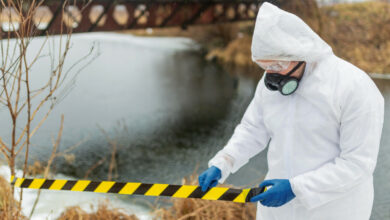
(57, 16)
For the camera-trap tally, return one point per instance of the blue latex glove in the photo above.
(279, 194)
(209, 178)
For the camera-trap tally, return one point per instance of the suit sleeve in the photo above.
(361, 122)
(249, 138)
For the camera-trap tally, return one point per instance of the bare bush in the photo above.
(28, 105)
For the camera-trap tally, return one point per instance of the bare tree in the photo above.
(28, 107)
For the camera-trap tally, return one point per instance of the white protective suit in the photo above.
(324, 137)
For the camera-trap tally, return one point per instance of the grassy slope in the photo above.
(359, 33)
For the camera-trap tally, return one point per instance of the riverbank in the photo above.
(357, 32)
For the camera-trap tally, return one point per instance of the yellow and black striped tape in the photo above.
(134, 188)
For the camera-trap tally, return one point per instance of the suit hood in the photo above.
(280, 35)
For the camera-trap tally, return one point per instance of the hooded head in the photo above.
(280, 35)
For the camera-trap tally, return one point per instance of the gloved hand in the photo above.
(209, 178)
(279, 194)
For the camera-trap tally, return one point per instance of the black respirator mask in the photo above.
(286, 84)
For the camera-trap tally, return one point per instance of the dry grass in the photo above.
(35, 169)
(5, 200)
(360, 33)
(189, 209)
(104, 212)
(237, 51)
(197, 209)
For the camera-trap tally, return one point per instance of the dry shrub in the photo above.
(5, 199)
(217, 35)
(104, 212)
(37, 168)
(197, 209)
(206, 210)
(237, 51)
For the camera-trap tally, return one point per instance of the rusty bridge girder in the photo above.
(103, 15)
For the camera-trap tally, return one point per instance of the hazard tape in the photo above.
(134, 188)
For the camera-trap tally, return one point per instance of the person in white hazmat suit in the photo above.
(323, 135)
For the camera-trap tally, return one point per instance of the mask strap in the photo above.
(295, 68)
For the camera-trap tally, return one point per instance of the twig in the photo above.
(49, 163)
